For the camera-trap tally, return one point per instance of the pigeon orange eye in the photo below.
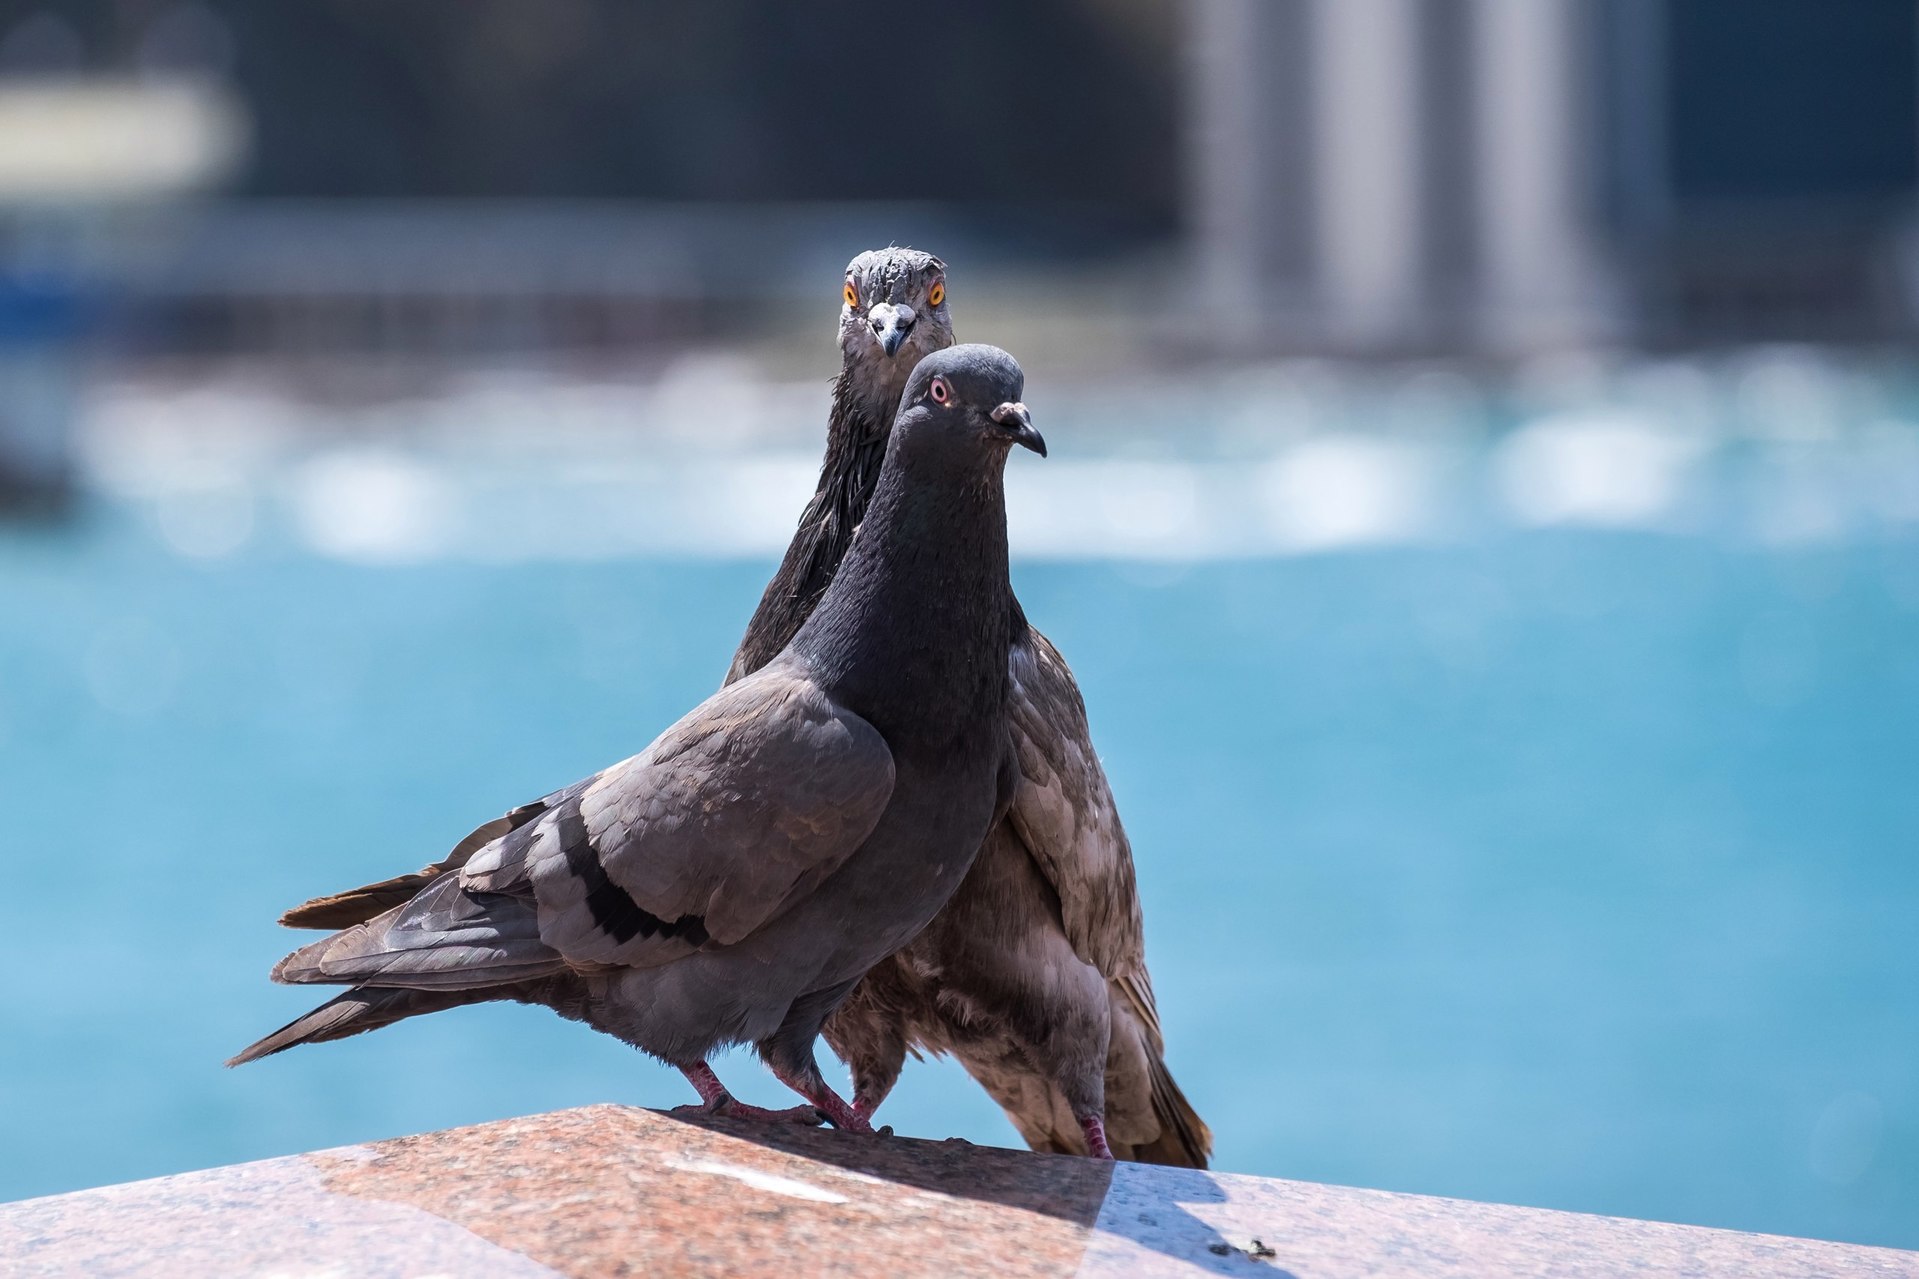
(941, 392)
(851, 294)
(936, 294)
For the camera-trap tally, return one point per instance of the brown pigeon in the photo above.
(1034, 976)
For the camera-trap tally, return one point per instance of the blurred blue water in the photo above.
(1569, 869)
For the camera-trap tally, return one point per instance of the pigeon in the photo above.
(1034, 976)
(892, 315)
(731, 883)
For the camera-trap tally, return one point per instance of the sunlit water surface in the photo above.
(1566, 855)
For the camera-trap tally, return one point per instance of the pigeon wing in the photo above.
(1064, 813)
(741, 808)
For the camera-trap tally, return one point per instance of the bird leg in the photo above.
(809, 1084)
(1094, 1127)
(716, 1100)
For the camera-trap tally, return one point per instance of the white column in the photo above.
(1224, 174)
(1366, 154)
(1249, 170)
(1541, 278)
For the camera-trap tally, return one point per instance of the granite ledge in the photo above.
(611, 1191)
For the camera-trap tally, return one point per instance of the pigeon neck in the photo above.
(855, 450)
(913, 633)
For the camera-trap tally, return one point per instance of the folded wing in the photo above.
(1064, 814)
(731, 815)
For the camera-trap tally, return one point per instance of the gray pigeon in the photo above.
(893, 315)
(732, 882)
(1034, 975)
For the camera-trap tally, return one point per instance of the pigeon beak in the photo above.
(1015, 418)
(890, 325)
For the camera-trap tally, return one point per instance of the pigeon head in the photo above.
(966, 399)
(892, 314)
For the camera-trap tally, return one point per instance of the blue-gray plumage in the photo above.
(733, 881)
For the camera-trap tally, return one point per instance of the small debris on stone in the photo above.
(1259, 1251)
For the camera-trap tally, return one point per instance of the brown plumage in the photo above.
(1036, 969)
(1034, 975)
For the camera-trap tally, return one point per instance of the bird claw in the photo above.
(727, 1108)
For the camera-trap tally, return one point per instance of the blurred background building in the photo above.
(1507, 175)
(1216, 178)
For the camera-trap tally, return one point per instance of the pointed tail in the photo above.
(359, 1010)
(358, 905)
(1184, 1140)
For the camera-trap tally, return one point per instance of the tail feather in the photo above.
(455, 949)
(355, 1012)
(358, 905)
(444, 938)
(1184, 1140)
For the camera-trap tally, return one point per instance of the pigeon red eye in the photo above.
(941, 392)
(851, 294)
(936, 294)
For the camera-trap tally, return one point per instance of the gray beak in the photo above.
(891, 324)
(1015, 418)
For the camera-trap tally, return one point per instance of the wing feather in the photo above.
(733, 813)
(1064, 812)
(736, 811)
(445, 938)
(357, 905)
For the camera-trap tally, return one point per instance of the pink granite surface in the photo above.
(609, 1190)
(605, 1190)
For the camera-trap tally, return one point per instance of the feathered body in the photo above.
(1034, 975)
(732, 882)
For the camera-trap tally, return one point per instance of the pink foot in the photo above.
(829, 1103)
(727, 1108)
(715, 1100)
(838, 1113)
(1095, 1129)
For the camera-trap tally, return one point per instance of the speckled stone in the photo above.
(275, 1218)
(607, 1191)
(1175, 1222)
(600, 1191)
